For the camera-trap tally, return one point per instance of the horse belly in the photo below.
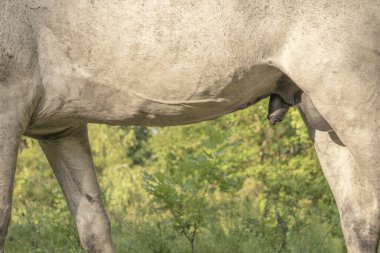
(144, 67)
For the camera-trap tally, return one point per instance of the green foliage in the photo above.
(235, 184)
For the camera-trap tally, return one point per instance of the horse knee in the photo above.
(91, 215)
(361, 229)
(93, 225)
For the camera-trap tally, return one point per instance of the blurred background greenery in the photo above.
(232, 185)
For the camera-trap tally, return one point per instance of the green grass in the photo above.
(48, 235)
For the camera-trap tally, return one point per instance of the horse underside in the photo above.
(64, 64)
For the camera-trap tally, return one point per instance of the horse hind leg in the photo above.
(356, 197)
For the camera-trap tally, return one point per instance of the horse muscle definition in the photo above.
(64, 64)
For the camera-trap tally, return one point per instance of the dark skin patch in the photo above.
(89, 198)
(277, 110)
(335, 138)
(365, 243)
(90, 243)
(377, 52)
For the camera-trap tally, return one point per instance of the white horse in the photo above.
(66, 63)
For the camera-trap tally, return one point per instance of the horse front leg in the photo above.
(70, 157)
(9, 143)
(16, 102)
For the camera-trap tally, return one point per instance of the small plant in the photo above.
(182, 194)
